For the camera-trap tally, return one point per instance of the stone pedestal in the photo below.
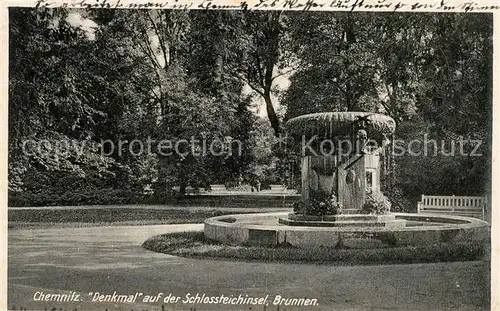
(346, 166)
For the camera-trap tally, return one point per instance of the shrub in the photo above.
(87, 196)
(376, 203)
(400, 202)
(320, 204)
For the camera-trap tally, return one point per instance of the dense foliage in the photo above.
(83, 79)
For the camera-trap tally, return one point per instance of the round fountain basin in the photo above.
(404, 229)
(329, 125)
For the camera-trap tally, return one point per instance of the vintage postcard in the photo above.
(249, 155)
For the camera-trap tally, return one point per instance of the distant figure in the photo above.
(361, 135)
(258, 185)
(361, 139)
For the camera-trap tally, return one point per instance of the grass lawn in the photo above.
(106, 216)
(194, 244)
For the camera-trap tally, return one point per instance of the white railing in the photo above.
(452, 205)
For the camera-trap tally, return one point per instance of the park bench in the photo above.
(452, 205)
(218, 188)
(277, 188)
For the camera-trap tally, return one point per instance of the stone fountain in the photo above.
(342, 162)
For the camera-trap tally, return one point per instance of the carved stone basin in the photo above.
(330, 125)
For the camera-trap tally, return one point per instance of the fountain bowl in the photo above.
(330, 125)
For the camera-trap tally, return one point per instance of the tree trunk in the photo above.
(271, 114)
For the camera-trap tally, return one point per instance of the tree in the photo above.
(337, 68)
(185, 90)
(430, 72)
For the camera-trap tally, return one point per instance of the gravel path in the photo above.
(80, 261)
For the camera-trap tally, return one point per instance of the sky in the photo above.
(259, 106)
(78, 21)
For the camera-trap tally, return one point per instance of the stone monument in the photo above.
(340, 159)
